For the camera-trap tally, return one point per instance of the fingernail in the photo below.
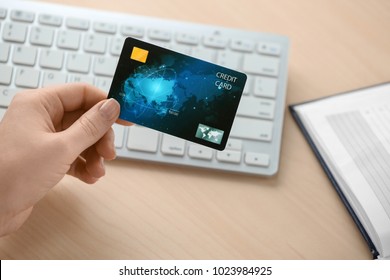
(110, 109)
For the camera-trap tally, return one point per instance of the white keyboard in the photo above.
(43, 44)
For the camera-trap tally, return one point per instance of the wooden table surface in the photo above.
(144, 210)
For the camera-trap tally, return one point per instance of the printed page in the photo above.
(352, 132)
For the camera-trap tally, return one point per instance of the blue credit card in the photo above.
(176, 94)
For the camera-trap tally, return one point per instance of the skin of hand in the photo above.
(47, 133)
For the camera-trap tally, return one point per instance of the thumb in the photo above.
(92, 125)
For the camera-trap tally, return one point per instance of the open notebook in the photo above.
(350, 135)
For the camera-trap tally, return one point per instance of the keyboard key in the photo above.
(95, 43)
(4, 51)
(77, 23)
(41, 36)
(48, 19)
(104, 27)
(142, 139)
(248, 85)
(76, 78)
(24, 55)
(242, 45)
(52, 59)
(132, 31)
(215, 42)
(229, 59)
(6, 95)
(162, 44)
(172, 145)
(186, 49)
(78, 62)
(234, 144)
(105, 66)
(229, 156)
(24, 16)
(254, 129)
(53, 78)
(68, 40)
(116, 46)
(256, 107)
(27, 77)
(269, 48)
(158, 34)
(103, 83)
(205, 54)
(3, 13)
(186, 38)
(14, 32)
(260, 64)
(265, 87)
(6, 74)
(258, 159)
(119, 131)
(200, 152)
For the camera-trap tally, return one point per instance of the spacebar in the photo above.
(252, 129)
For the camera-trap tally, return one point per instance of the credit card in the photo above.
(176, 94)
